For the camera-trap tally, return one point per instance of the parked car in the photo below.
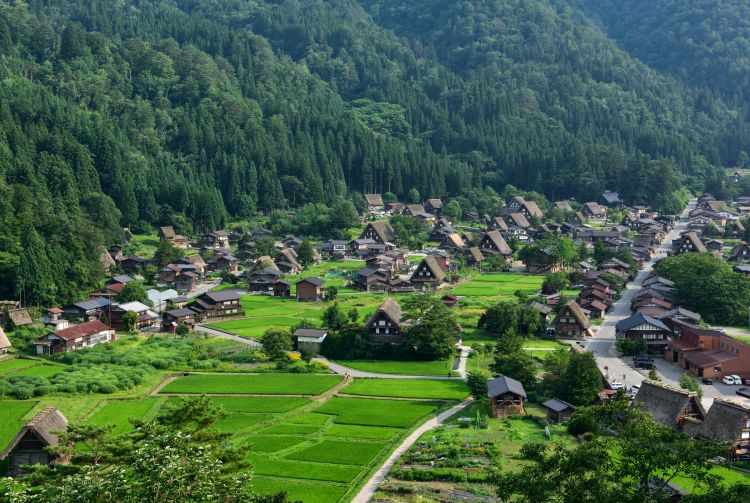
(737, 379)
(746, 381)
(743, 392)
(731, 380)
(615, 385)
(706, 380)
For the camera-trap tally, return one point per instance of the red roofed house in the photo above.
(708, 353)
(79, 336)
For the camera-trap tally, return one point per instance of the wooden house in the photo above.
(374, 202)
(452, 242)
(428, 275)
(529, 209)
(740, 252)
(558, 411)
(564, 206)
(109, 292)
(215, 239)
(309, 289)
(594, 211)
(642, 327)
(571, 322)
(498, 224)
(186, 281)
(434, 206)
(146, 317)
(287, 261)
(5, 344)
(171, 319)
(223, 262)
(418, 211)
(29, 446)
(728, 421)
(506, 396)
(336, 249)
(74, 337)
(707, 353)
(87, 310)
(133, 264)
(517, 220)
(474, 257)
(217, 305)
(262, 280)
(369, 279)
(379, 231)
(492, 243)
(543, 260)
(669, 405)
(385, 326)
(690, 243)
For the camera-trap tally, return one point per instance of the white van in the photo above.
(731, 380)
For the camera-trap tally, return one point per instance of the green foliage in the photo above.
(166, 253)
(632, 347)
(581, 382)
(334, 317)
(433, 328)
(513, 361)
(276, 343)
(555, 282)
(129, 320)
(510, 317)
(411, 232)
(690, 384)
(477, 382)
(708, 285)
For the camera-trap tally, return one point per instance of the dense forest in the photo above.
(190, 112)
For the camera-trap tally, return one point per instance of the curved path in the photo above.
(226, 335)
(368, 491)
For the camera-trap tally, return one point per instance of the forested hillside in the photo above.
(704, 43)
(188, 112)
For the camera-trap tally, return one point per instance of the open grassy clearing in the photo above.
(409, 388)
(425, 368)
(499, 284)
(361, 411)
(39, 371)
(263, 465)
(290, 429)
(11, 415)
(9, 366)
(261, 384)
(119, 412)
(309, 492)
(339, 452)
(238, 422)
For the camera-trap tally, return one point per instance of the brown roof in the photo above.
(695, 241)
(668, 404)
(43, 425)
(435, 203)
(519, 220)
(578, 314)
(374, 199)
(384, 230)
(704, 359)
(499, 223)
(533, 209)
(499, 242)
(725, 421)
(81, 330)
(564, 205)
(415, 209)
(434, 267)
(599, 306)
(4, 342)
(476, 254)
(19, 317)
(391, 309)
(455, 240)
(167, 231)
(106, 259)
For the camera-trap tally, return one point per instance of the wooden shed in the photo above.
(506, 396)
(28, 446)
(558, 411)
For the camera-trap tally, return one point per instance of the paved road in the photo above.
(369, 489)
(603, 342)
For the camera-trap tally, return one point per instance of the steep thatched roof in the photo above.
(725, 420)
(106, 259)
(4, 342)
(384, 230)
(18, 317)
(390, 308)
(669, 405)
(374, 199)
(434, 267)
(43, 425)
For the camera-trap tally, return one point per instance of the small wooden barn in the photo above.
(28, 446)
(506, 396)
(558, 411)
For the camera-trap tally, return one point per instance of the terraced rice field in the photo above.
(499, 285)
(409, 388)
(119, 413)
(255, 384)
(11, 414)
(415, 368)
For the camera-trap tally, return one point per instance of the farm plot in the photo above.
(119, 412)
(409, 388)
(354, 431)
(368, 412)
(500, 284)
(258, 405)
(238, 422)
(415, 368)
(11, 419)
(272, 443)
(40, 371)
(257, 384)
(11, 366)
(309, 492)
(263, 465)
(339, 452)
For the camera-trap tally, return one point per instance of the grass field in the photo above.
(499, 285)
(303, 470)
(118, 413)
(238, 422)
(309, 492)
(272, 312)
(409, 388)
(339, 452)
(40, 370)
(291, 429)
(270, 404)
(11, 413)
(361, 411)
(263, 384)
(11, 366)
(354, 431)
(425, 368)
(273, 443)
